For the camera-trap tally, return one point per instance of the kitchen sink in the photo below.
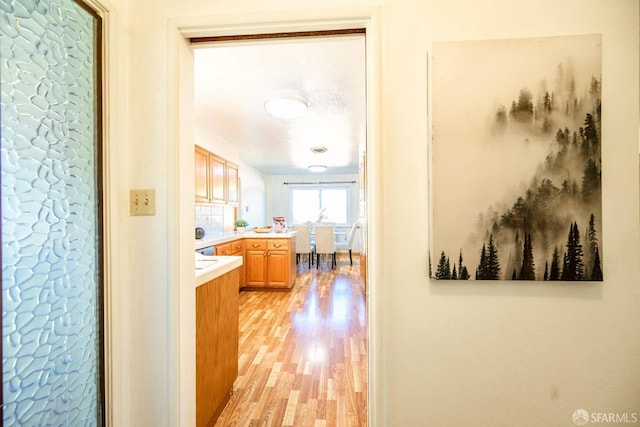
(205, 261)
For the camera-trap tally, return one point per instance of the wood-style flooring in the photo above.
(303, 354)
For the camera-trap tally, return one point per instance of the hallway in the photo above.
(303, 354)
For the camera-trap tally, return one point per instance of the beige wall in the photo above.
(504, 354)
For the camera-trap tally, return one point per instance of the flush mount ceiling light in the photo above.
(317, 168)
(287, 107)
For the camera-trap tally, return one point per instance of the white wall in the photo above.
(502, 354)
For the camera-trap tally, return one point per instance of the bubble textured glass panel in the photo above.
(50, 227)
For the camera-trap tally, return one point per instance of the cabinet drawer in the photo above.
(278, 244)
(254, 245)
(236, 247)
(223, 249)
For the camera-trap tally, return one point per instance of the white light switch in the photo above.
(142, 202)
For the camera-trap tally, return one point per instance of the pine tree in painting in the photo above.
(448, 267)
(527, 272)
(482, 267)
(554, 271)
(596, 274)
(493, 264)
(463, 273)
(489, 267)
(572, 267)
(454, 273)
(442, 271)
(593, 246)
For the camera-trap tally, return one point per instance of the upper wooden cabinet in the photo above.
(233, 181)
(202, 175)
(217, 179)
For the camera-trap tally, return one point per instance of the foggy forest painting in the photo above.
(516, 159)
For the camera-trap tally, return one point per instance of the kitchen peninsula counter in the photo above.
(232, 235)
(269, 259)
(214, 267)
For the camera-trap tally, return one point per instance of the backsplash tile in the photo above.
(210, 218)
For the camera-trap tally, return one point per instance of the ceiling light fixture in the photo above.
(288, 107)
(317, 168)
(318, 150)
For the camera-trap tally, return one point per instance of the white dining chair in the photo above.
(325, 245)
(350, 243)
(303, 242)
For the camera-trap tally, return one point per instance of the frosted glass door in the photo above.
(51, 228)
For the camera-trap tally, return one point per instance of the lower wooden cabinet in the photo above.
(217, 330)
(270, 263)
(236, 248)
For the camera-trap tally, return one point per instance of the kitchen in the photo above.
(256, 167)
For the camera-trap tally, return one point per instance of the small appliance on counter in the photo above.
(199, 233)
(279, 224)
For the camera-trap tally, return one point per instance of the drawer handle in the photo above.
(277, 245)
(255, 245)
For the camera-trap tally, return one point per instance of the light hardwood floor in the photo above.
(303, 354)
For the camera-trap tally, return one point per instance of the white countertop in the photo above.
(232, 235)
(212, 267)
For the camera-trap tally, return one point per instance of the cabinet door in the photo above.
(237, 249)
(202, 174)
(217, 180)
(233, 187)
(278, 269)
(256, 266)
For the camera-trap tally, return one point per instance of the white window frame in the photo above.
(320, 189)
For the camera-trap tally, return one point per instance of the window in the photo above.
(307, 204)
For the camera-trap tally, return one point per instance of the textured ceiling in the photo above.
(233, 81)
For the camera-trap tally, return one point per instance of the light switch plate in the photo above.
(142, 202)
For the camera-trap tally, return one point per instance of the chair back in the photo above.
(324, 239)
(353, 241)
(303, 239)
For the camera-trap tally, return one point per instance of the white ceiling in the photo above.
(233, 80)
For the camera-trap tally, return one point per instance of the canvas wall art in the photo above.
(515, 159)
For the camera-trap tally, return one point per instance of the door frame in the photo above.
(181, 187)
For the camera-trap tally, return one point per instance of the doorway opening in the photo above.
(282, 150)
